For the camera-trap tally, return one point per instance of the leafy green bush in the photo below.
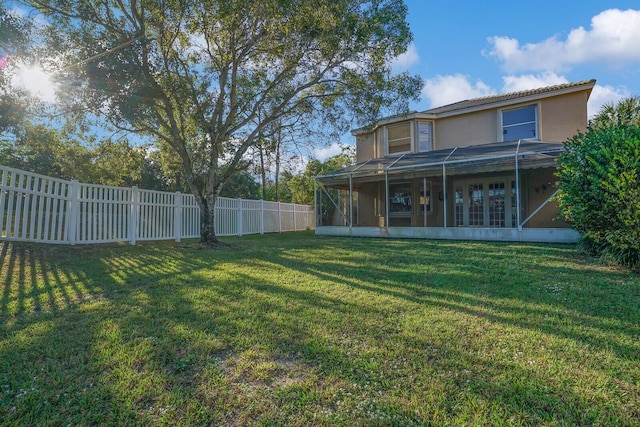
(599, 182)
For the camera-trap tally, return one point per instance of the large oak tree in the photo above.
(206, 77)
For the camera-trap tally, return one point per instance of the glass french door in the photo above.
(489, 202)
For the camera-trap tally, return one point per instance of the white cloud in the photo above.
(522, 82)
(443, 90)
(406, 59)
(602, 95)
(614, 38)
(323, 153)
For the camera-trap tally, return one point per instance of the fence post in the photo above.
(239, 217)
(177, 216)
(133, 215)
(73, 212)
(261, 216)
(295, 226)
(279, 219)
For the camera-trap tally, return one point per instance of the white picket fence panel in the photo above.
(38, 208)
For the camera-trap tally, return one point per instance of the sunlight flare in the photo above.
(37, 82)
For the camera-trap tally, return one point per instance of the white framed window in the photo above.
(425, 136)
(398, 138)
(519, 123)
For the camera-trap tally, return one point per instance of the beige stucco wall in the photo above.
(379, 143)
(365, 148)
(559, 118)
(468, 129)
(367, 194)
(541, 185)
(563, 116)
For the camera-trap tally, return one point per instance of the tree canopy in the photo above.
(301, 186)
(625, 112)
(41, 149)
(205, 78)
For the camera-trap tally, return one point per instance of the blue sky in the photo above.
(465, 49)
(469, 49)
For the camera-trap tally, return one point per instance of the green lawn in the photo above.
(294, 329)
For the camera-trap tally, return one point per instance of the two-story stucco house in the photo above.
(476, 169)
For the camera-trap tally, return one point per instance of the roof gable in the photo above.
(511, 98)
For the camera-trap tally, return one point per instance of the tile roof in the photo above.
(479, 102)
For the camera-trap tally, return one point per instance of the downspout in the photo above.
(518, 188)
(315, 202)
(424, 192)
(350, 203)
(444, 193)
(386, 201)
(340, 209)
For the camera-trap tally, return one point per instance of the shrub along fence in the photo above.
(38, 208)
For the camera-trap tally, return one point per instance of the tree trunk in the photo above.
(208, 210)
(263, 172)
(278, 143)
(277, 178)
(208, 221)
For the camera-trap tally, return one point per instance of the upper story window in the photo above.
(425, 136)
(398, 138)
(520, 123)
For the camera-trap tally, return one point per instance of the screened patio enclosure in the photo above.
(498, 191)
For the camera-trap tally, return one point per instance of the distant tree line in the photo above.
(46, 150)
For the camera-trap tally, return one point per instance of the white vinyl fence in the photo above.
(38, 208)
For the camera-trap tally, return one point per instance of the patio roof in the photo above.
(456, 161)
